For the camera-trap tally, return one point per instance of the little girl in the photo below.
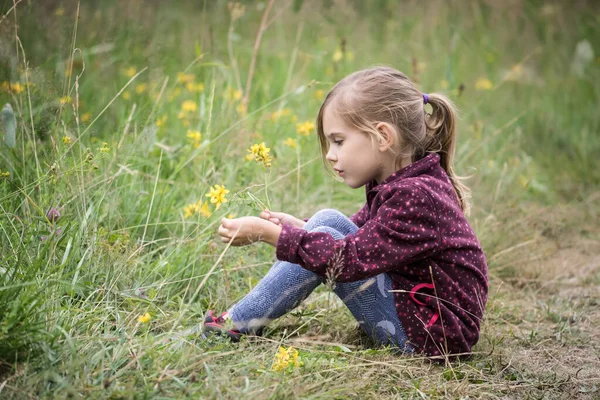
(407, 265)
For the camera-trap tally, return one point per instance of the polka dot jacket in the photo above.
(411, 227)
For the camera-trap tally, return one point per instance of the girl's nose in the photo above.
(329, 156)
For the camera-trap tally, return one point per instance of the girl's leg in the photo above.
(285, 286)
(369, 300)
(373, 306)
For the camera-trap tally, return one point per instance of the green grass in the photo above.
(69, 304)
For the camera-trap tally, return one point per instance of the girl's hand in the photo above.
(279, 218)
(249, 230)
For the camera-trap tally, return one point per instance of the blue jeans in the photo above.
(286, 285)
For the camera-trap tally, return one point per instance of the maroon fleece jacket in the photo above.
(411, 227)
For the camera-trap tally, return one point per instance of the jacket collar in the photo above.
(414, 169)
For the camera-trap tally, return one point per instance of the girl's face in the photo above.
(352, 153)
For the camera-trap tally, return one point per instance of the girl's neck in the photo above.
(389, 166)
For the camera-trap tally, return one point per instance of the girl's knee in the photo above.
(325, 217)
(327, 229)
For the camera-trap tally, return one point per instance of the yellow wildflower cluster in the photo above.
(141, 88)
(14, 87)
(190, 85)
(338, 55)
(142, 319)
(319, 94)
(198, 207)
(195, 138)
(305, 128)
(184, 78)
(129, 72)
(283, 113)
(65, 100)
(483, 84)
(286, 358)
(4, 174)
(86, 117)
(232, 95)
(161, 121)
(194, 87)
(188, 108)
(217, 195)
(104, 149)
(67, 139)
(293, 143)
(260, 154)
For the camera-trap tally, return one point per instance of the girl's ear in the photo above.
(387, 132)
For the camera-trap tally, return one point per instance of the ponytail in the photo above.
(440, 137)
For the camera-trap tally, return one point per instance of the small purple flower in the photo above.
(53, 215)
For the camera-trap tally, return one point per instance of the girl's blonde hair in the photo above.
(384, 94)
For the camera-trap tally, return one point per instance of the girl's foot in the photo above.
(221, 325)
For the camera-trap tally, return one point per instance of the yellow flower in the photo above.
(189, 210)
(523, 181)
(338, 55)
(515, 73)
(195, 138)
(194, 87)
(184, 78)
(104, 149)
(231, 94)
(5, 174)
(232, 215)
(217, 195)
(142, 319)
(129, 72)
(161, 121)
(176, 92)
(67, 139)
(319, 94)
(483, 84)
(204, 210)
(86, 117)
(305, 128)
(285, 358)
(14, 87)
(126, 95)
(141, 88)
(189, 106)
(241, 109)
(260, 154)
(65, 100)
(293, 143)
(59, 11)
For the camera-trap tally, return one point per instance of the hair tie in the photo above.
(425, 98)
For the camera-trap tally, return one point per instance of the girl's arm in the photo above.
(271, 234)
(404, 230)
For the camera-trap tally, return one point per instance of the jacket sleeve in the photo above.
(404, 230)
(360, 216)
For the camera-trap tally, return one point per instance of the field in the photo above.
(124, 115)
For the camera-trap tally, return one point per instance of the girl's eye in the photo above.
(338, 142)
